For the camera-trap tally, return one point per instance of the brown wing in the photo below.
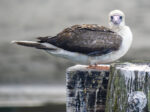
(89, 39)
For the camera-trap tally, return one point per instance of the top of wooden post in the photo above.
(133, 67)
(86, 68)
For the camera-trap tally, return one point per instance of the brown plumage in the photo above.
(33, 44)
(89, 39)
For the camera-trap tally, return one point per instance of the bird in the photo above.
(89, 44)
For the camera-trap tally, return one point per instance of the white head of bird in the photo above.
(116, 19)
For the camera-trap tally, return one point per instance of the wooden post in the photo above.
(86, 89)
(129, 88)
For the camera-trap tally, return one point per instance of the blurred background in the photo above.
(33, 81)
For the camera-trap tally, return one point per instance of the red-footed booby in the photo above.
(88, 43)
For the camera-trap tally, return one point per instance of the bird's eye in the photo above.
(111, 17)
(120, 17)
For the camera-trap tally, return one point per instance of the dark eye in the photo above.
(120, 17)
(111, 17)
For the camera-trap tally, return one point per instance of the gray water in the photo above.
(49, 108)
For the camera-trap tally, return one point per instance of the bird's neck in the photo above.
(123, 31)
(126, 35)
(117, 28)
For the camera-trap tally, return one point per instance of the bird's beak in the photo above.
(116, 20)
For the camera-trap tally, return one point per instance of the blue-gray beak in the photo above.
(116, 19)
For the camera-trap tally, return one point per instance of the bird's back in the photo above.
(89, 39)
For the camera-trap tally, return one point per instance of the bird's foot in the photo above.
(99, 67)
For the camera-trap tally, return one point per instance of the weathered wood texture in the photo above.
(86, 89)
(129, 88)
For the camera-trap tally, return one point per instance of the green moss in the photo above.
(149, 100)
(108, 102)
(113, 80)
(115, 108)
(117, 92)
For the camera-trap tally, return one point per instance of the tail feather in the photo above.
(43, 39)
(33, 44)
(47, 39)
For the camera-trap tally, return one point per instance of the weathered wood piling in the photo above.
(123, 88)
(86, 89)
(129, 88)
